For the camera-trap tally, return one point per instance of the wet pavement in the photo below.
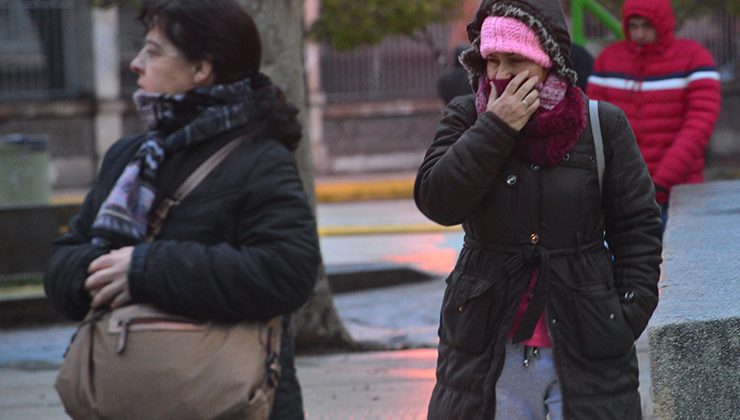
(433, 252)
(374, 385)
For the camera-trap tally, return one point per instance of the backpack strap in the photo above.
(593, 112)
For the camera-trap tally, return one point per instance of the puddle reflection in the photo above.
(432, 253)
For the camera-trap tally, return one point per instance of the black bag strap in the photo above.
(158, 217)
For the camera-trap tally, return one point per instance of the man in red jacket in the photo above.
(668, 87)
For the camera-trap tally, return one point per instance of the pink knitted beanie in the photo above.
(508, 35)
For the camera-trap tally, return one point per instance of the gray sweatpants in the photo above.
(528, 388)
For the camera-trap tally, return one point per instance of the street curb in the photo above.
(364, 230)
(364, 190)
(326, 191)
(28, 310)
(33, 308)
(346, 278)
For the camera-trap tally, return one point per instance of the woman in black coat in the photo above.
(539, 317)
(243, 245)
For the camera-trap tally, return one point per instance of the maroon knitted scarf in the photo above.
(551, 133)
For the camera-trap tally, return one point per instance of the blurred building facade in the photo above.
(64, 73)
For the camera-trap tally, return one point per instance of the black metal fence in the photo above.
(398, 68)
(34, 48)
(720, 34)
(42, 53)
(401, 68)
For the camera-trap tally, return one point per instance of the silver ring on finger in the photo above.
(525, 102)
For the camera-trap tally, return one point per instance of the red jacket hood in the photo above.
(658, 12)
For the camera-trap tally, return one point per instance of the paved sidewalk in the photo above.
(373, 385)
(386, 385)
(328, 188)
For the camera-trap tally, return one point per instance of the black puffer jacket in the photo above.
(516, 216)
(242, 246)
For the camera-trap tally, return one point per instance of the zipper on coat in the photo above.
(533, 351)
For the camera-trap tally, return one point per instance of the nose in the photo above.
(137, 65)
(504, 71)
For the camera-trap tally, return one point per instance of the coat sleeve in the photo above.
(270, 272)
(72, 253)
(633, 224)
(462, 163)
(703, 96)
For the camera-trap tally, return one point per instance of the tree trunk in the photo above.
(280, 23)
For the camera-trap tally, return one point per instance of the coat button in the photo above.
(460, 308)
(511, 179)
(554, 321)
(534, 167)
(534, 239)
(611, 316)
(566, 157)
(629, 296)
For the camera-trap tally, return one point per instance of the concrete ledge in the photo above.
(356, 277)
(27, 233)
(24, 303)
(26, 311)
(694, 335)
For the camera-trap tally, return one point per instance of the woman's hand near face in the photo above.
(107, 283)
(518, 102)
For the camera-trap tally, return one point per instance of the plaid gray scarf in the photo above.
(175, 122)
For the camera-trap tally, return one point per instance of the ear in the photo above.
(202, 71)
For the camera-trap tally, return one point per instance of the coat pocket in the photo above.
(469, 312)
(603, 331)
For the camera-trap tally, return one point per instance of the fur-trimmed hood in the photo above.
(546, 19)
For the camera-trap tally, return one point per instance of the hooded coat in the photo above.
(519, 216)
(669, 90)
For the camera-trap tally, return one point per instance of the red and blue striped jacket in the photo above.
(669, 90)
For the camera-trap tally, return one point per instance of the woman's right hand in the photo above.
(516, 104)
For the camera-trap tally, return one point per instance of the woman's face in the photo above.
(501, 65)
(162, 68)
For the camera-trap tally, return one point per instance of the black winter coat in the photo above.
(517, 216)
(242, 246)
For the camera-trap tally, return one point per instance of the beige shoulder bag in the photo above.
(138, 362)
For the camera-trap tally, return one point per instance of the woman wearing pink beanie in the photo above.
(539, 317)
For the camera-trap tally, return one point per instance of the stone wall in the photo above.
(725, 145)
(69, 131)
(694, 335)
(377, 137)
(357, 137)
